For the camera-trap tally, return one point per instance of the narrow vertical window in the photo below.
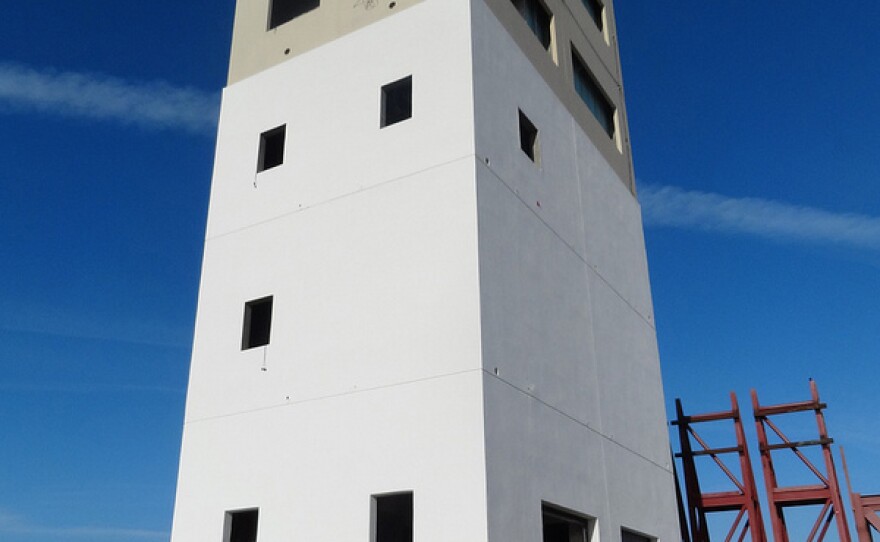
(591, 94)
(241, 526)
(594, 8)
(538, 17)
(282, 11)
(257, 323)
(392, 518)
(396, 102)
(528, 138)
(563, 526)
(271, 148)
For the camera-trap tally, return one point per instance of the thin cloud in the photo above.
(13, 524)
(673, 207)
(156, 105)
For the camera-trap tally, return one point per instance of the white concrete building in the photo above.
(424, 311)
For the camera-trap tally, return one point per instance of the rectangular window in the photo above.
(271, 148)
(257, 323)
(563, 526)
(592, 95)
(594, 8)
(282, 11)
(241, 526)
(396, 102)
(629, 536)
(528, 138)
(538, 17)
(392, 518)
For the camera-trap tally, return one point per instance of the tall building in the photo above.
(424, 310)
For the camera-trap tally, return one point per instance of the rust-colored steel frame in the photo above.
(743, 500)
(826, 493)
(866, 508)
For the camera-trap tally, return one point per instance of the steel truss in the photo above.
(826, 493)
(743, 499)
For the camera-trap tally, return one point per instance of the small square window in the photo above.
(257, 323)
(538, 17)
(528, 138)
(594, 8)
(282, 11)
(392, 518)
(241, 526)
(396, 102)
(271, 148)
(562, 526)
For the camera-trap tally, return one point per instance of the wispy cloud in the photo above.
(128, 328)
(674, 207)
(12, 524)
(148, 104)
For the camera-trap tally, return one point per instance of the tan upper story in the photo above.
(259, 43)
(256, 46)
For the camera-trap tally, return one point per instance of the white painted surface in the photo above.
(366, 238)
(478, 333)
(575, 415)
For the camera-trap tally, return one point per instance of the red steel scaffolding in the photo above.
(743, 499)
(826, 493)
(866, 508)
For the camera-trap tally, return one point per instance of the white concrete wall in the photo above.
(449, 317)
(366, 238)
(573, 396)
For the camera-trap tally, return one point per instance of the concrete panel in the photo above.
(631, 396)
(334, 143)
(312, 467)
(615, 244)
(504, 83)
(640, 497)
(535, 305)
(370, 290)
(494, 50)
(536, 453)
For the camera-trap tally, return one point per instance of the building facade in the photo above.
(424, 311)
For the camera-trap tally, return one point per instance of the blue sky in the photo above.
(755, 140)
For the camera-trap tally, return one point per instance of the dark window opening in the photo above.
(257, 323)
(282, 11)
(528, 138)
(629, 536)
(594, 8)
(396, 101)
(271, 148)
(562, 526)
(393, 518)
(592, 95)
(538, 17)
(241, 526)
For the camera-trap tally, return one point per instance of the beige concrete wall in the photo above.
(255, 47)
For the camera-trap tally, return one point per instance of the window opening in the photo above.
(241, 526)
(594, 8)
(257, 323)
(538, 17)
(282, 11)
(562, 526)
(629, 536)
(393, 518)
(528, 138)
(592, 95)
(271, 148)
(396, 101)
